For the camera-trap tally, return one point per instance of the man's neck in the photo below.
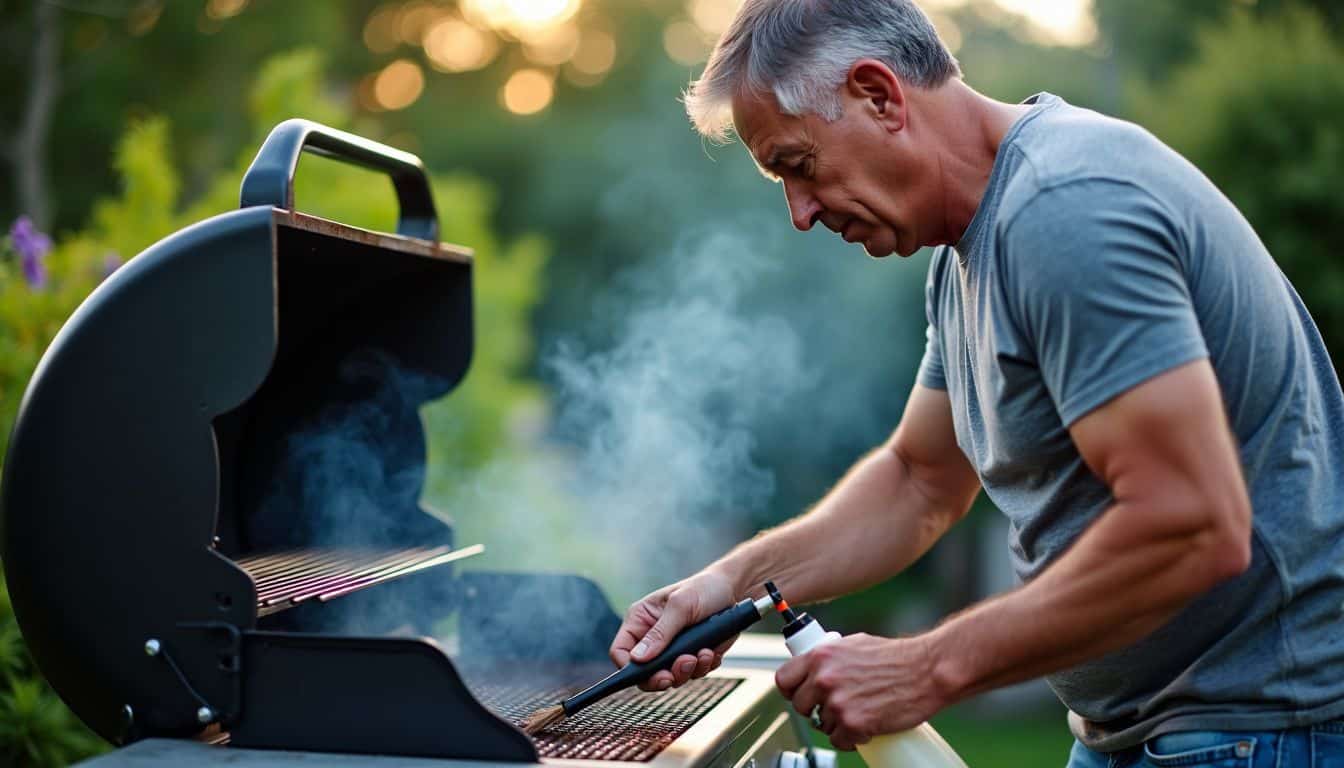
(971, 127)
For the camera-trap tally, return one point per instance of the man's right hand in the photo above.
(657, 618)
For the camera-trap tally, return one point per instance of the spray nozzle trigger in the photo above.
(781, 604)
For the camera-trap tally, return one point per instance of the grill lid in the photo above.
(156, 428)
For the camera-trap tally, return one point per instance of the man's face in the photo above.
(856, 175)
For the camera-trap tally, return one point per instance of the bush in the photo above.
(1259, 110)
(35, 727)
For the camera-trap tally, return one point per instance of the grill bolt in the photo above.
(205, 715)
(152, 647)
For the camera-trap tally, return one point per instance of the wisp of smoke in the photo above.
(663, 419)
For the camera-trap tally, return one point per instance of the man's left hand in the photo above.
(864, 685)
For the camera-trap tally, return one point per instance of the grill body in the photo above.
(745, 728)
(176, 575)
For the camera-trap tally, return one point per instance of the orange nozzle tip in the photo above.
(782, 606)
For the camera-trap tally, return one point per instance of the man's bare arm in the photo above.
(885, 513)
(1180, 524)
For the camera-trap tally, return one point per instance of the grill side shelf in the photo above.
(286, 579)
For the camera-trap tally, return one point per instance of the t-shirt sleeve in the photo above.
(931, 367)
(1096, 282)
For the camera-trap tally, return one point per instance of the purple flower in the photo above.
(32, 247)
(111, 261)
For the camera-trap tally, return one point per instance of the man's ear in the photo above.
(873, 83)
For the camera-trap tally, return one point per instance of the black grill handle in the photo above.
(270, 178)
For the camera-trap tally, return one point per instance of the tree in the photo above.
(1266, 130)
(1153, 38)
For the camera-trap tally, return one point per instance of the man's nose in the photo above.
(803, 208)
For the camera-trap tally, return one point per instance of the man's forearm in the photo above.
(1108, 591)
(872, 525)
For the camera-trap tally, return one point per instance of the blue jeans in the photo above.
(1317, 746)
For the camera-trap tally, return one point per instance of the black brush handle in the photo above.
(713, 631)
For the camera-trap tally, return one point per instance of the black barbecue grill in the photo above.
(211, 509)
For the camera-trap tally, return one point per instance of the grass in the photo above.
(1036, 740)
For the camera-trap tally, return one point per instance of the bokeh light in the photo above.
(552, 46)
(143, 17)
(527, 92)
(519, 17)
(381, 34)
(596, 54)
(223, 9)
(415, 18)
(364, 94)
(712, 16)
(453, 45)
(686, 43)
(1063, 22)
(398, 85)
(1056, 22)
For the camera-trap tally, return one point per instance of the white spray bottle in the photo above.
(919, 747)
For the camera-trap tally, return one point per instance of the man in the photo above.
(1112, 356)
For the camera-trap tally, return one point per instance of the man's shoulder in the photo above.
(1073, 146)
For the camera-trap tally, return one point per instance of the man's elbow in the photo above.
(1225, 543)
(1234, 551)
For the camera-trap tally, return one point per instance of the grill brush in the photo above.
(711, 632)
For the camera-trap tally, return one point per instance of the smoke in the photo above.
(664, 418)
(693, 376)
(647, 468)
(351, 471)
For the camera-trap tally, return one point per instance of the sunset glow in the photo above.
(520, 17)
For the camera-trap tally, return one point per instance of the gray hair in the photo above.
(801, 51)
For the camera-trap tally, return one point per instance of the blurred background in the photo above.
(663, 366)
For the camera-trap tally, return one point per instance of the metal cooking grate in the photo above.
(631, 725)
(285, 579)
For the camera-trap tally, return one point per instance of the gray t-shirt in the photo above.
(1098, 259)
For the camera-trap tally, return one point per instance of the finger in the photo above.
(637, 622)
(718, 662)
(704, 661)
(805, 699)
(842, 740)
(670, 622)
(791, 674)
(659, 681)
(683, 668)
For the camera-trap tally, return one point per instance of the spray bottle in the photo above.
(919, 747)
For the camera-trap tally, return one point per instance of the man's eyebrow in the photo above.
(769, 167)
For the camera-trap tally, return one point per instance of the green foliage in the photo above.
(1266, 129)
(1031, 739)
(468, 429)
(291, 84)
(36, 729)
(1154, 38)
